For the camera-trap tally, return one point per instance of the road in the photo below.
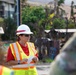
(43, 69)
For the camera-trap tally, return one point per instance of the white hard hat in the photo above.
(23, 29)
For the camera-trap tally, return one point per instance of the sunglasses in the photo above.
(26, 35)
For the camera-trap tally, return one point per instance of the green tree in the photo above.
(34, 17)
(72, 6)
(72, 16)
(1, 22)
(59, 23)
(57, 8)
(60, 2)
(9, 29)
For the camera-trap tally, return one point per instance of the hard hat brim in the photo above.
(24, 33)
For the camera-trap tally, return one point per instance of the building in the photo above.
(7, 8)
(63, 30)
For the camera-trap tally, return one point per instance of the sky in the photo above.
(68, 2)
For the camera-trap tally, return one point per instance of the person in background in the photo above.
(4, 70)
(22, 55)
(65, 61)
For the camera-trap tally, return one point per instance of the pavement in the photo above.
(43, 69)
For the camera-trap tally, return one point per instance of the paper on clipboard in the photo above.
(30, 59)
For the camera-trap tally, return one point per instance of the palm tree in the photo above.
(73, 13)
(72, 6)
(57, 4)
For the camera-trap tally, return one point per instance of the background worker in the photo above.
(22, 55)
(65, 61)
(3, 69)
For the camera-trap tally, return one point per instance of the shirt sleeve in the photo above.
(9, 55)
(36, 55)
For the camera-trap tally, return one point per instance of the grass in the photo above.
(46, 60)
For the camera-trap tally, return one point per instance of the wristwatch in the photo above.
(18, 61)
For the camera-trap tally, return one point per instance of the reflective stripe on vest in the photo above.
(1, 69)
(18, 51)
(6, 71)
(15, 53)
(23, 66)
(33, 48)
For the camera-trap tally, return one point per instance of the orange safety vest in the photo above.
(6, 71)
(19, 55)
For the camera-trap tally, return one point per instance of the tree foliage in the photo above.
(9, 29)
(35, 18)
(59, 23)
(1, 22)
(60, 2)
(59, 11)
(32, 14)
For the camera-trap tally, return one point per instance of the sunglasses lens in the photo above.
(26, 35)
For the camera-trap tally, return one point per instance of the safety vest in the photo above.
(19, 54)
(6, 71)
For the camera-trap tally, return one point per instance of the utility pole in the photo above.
(66, 28)
(18, 12)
